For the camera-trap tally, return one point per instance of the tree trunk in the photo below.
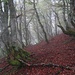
(45, 35)
(12, 21)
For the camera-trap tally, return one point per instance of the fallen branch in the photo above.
(46, 65)
(42, 65)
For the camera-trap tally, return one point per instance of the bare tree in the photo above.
(45, 35)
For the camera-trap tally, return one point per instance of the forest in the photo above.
(37, 37)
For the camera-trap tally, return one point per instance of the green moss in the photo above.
(70, 31)
(18, 56)
(14, 62)
(15, 55)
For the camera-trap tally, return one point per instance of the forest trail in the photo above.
(60, 50)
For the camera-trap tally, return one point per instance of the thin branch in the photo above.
(30, 19)
(57, 17)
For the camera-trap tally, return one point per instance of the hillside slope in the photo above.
(60, 51)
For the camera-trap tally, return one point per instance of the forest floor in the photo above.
(59, 51)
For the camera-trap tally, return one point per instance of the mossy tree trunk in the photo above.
(70, 30)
